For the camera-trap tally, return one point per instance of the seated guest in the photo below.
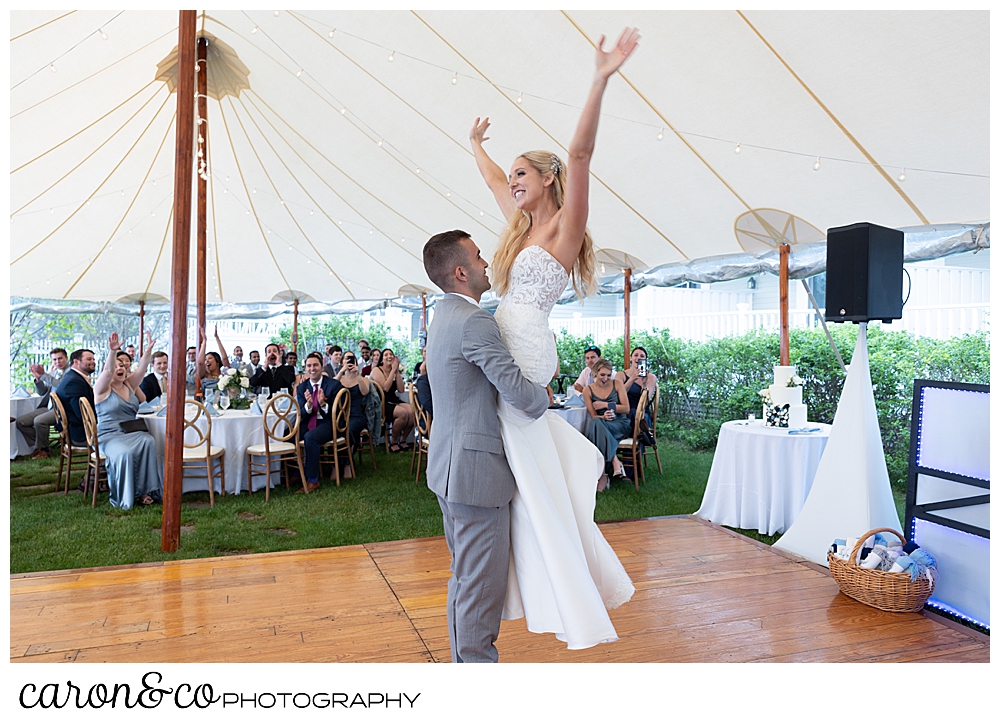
(292, 361)
(607, 403)
(398, 415)
(590, 355)
(236, 360)
(424, 391)
(635, 379)
(272, 374)
(419, 368)
(366, 353)
(130, 350)
(192, 368)
(134, 474)
(334, 354)
(210, 366)
(34, 425)
(373, 361)
(155, 383)
(358, 387)
(75, 384)
(315, 396)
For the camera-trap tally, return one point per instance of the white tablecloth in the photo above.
(761, 476)
(233, 429)
(577, 416)
(19, 406)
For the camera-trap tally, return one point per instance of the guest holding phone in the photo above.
(608, 405)
(358, 387)
(636, 379)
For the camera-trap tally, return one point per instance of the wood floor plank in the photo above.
(702, 595)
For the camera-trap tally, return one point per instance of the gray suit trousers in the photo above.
(478, 582)
(35, 426)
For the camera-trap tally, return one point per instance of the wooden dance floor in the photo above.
(703, 594)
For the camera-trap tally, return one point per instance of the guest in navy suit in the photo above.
(74, 385)
(315, 396)
(155, 383)
(273, 375)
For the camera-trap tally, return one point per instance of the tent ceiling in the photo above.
(330, 165)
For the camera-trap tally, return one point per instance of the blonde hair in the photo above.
(584, 273)
(601, 364)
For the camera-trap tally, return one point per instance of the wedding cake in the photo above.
(783, 405)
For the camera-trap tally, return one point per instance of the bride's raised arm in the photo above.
(494, 176)
(576, 206)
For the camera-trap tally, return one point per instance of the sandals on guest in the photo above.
(395, 448)
(146, 500)
(403, 446)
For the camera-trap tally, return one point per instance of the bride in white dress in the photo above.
(564, 575)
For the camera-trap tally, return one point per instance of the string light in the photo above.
(276, 13)
(902, 176)
(392, 56)
(103, 34)
(520, 96)
(738, 149)
(602, 268)
(454, 79)
(343, 110)
(52, 67)
(379, 142)
(254, 30)
(418, 169)
(299, 73)
(448, 194)
(331, 32)
(816, 164)
(659, 136)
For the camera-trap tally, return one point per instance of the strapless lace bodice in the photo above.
(537, 281)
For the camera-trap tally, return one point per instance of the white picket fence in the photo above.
(939, 322)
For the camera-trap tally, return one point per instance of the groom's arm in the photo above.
(481, 345)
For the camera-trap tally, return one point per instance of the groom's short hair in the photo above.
(443, 253)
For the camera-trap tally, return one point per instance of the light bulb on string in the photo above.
(602, 268)
(392, 56)
(343, 110)
(418, 169)
(331, 32)
(379, 142)
(738, 149)
(480, 213)
(816, 164)
(52, 67)
(448, 194)
(298, 74)
(103, 34)
(520, 97)
(254, 29)
(659, 136)
(276, 13)
(902, 176)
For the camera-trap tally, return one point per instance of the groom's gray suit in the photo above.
(467, 365)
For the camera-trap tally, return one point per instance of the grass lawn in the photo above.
(52, 531)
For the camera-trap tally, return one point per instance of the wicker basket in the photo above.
(890, 591)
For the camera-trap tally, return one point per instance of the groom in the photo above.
(467, 365)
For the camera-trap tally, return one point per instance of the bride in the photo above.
(564, 576)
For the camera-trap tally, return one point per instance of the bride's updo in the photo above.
(584, 274)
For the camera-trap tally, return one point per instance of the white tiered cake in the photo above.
(781, 394)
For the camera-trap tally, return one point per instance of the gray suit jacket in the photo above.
(467, 365)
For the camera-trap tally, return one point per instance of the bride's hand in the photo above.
(478, 132)
(609, 62)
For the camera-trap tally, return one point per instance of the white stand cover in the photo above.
(850, 493)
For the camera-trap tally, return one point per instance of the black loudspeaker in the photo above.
(864, 273)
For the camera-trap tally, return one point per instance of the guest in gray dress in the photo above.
(134, 471)
(609, 423)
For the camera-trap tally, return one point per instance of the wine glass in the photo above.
(224, 400)
(265, 392)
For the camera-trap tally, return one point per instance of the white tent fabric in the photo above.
(850, 494)
(329, 164)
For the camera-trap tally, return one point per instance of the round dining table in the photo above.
(576, 416)
(761, 475)
(234, 430)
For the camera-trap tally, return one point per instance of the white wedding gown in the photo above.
(564, 576)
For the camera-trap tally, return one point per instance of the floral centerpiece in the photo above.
(235, 383)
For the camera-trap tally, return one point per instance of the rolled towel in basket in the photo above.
(888, 556)
(872, 561)
(923, 558)
(905, 563)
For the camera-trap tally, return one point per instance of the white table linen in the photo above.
(761, 475)
(19, 406)
(576, 416)
(235, 430)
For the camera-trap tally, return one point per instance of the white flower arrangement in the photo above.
(794, 381)
(234, 379)
(765, 394)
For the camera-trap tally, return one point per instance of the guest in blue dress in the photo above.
(608, 405)
(636, 379)
(134, 471)
(209, 367)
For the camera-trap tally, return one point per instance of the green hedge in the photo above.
(704, 384)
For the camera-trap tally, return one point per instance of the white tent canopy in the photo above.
(329, 164)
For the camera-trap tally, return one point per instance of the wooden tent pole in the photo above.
(201, 73)
(783, 302)
(628, 317)
(295, 329)
(423, 319)
(170, 531)
(142, 326)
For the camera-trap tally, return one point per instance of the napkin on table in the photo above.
(20, 393)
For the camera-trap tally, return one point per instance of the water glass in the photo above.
(265, 392)
(224, 400)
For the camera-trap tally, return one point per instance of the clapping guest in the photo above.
(34, 425)
(590, 355)
(272, 374)
(134, 474)
(358, 387)
(155, 383)
(388, 376)
(315, 395)
(608, 405)
(373, 361)
(636, 379)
